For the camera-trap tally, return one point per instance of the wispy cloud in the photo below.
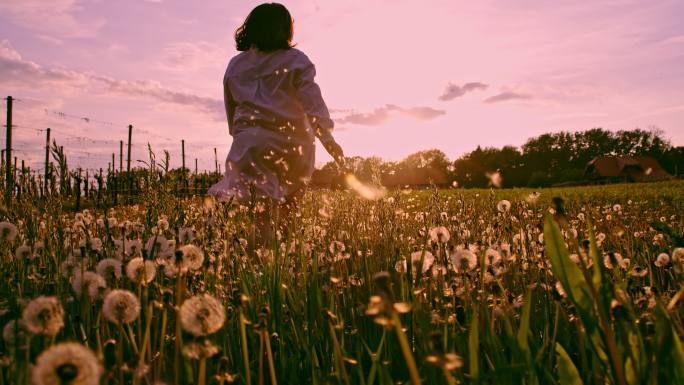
(55, 18)
(453, 91)
(506, 96)
(18, 72)
(677, 39)
(154, 90)
(382, 115)
(190, 56)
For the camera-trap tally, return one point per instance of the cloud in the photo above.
(382, 115)
(674, 39)
(190, 56)
(55, 17)
(154, 90)
(505, 96)
(453, 91)
(16, 71)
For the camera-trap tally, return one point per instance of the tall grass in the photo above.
(358, 291)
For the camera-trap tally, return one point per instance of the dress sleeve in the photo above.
(229, 103)
(309, 94)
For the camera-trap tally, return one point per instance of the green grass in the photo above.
(306, 315)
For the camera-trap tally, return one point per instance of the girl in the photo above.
(275, 111)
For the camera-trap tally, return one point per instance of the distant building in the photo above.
(625, 169)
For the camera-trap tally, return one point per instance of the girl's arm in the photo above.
(230, 104)
(309, 95)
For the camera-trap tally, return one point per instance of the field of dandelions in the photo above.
(577, 285)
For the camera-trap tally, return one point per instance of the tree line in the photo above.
(546, 160)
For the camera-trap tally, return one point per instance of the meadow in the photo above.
(578, 285)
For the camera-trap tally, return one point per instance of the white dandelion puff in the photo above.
(121, 306)
(157, 243)
(14, 332)
(503, 206)
(141, 271)
(192, 257)
(43, 315)
(186, 235)
(463, 260)
(89, 283)
(8, 232)
(109, 268)
(67, 363)
(428, 260)
(202, 315)
(662, 260)
(439, 234)
(23, 252)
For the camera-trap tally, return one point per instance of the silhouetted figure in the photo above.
(275, 111)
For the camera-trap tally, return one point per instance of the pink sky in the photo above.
(400, 76)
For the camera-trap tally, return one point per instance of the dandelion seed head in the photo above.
(109, 267)
(89, 283)
(141, 271)
(463, 260)
(121, 306)
(439, 234)
(14, 332)
(43, 315)
(186, 235)
(197, 350)
(67, 363)
(503, 206)
(23, 252)
(428, 260)
(202, 315)
(192, 257)
(8, 232)
(662, 260)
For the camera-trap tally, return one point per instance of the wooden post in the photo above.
(195, 166)
(216, 161)
(121, 156)
(128, 160)
(184, 175)
(8, 155)
(47, 162)
(183, 153)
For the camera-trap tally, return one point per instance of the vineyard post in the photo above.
(119, 181)
(128, 160)
(216, 161)
(195, 180)
(8, 154)
(183, 166)
(22, 180)
(47, 161)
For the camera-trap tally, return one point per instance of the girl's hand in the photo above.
(334, 150)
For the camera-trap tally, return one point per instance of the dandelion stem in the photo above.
(271, 366)
(406, 350)
(202, 376)
(338, 352)
(261, 358)
(245, 353)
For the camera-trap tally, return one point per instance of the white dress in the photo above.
(275, 111)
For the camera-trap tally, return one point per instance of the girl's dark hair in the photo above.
(268, 27)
